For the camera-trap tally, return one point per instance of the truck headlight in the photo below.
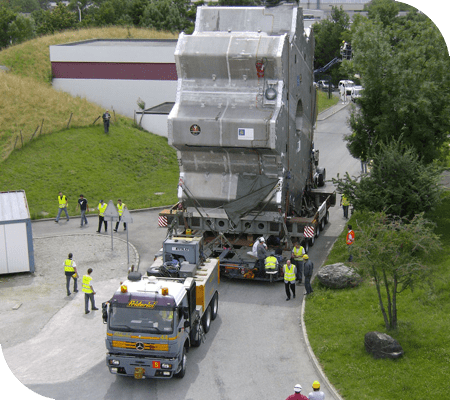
(114, 362)
(166, 366)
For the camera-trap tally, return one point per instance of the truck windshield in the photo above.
(133, 319)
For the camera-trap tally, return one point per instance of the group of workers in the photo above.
(316, 394)
(293, 270)
(84, 208)
(70, 270)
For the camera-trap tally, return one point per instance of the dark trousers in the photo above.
(308, 287)
(87, 297)
(260, 264)
(124, 224)
(289, 286)
(106, 125)
(100, 220)
(299, 266)
(345, 211)
(75, 283)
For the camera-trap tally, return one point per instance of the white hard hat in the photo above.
(297, 388)
(261, 239)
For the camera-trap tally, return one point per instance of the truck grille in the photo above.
(147, 346)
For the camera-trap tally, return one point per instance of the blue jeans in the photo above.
(87, 297)
(83, 217)
(59, 213)
(75, 283)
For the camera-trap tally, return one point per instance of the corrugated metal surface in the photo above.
(13, 206)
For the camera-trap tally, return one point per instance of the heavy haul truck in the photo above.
(242, 125)
(153, 320)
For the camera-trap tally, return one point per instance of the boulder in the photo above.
(381, 345)
(338, 276)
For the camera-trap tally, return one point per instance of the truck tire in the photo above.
(306, 246)
(206, 320)
(182, 371)
(196, 335)
(322, 223)
(215, 306)
(312, 241)
(317, 233)
(327, 217)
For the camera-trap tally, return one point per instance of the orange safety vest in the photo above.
(350, 239)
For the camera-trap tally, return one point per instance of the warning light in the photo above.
(164, 291)
(123, 289)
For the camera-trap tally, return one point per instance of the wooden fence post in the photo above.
(70, 119)
(42, 124)
(32, 136)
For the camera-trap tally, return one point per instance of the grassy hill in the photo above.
(27, 100)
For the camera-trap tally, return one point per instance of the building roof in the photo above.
(13, 206)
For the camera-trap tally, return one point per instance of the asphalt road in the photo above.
(255, 348)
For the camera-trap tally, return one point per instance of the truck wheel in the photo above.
(215, 306)
(322, 224)
(317, 230)
(327, 217)
(196, 335)
(182, 371)
(312, 241)
(306, 246)
(206, 320)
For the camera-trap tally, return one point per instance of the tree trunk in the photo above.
(394, 303)
(380, 299)
(388, 295)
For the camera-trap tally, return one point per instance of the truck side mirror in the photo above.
(185, 313)
(105, 312)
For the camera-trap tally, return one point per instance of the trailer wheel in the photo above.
(215, 306)
(322, 223)
(196, 335)
(306, 246)
(182, 370)
(327, 217)
(206, 320)
(317, 233)
(312, 241)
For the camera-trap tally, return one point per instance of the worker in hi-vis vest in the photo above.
(120, 207)
(88, 292)
(70, 270)
(101, 216)
(62, 201)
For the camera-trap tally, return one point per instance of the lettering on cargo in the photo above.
(180, 248)
(142, 304)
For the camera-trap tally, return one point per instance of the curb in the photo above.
(336, 108)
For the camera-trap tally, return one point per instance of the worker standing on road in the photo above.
(297, 255)
(317, 394)
(345, 205)
(308, 268)
(120, 208)
(101, 216)
(83, 206)
(62, 200)
(297, 395)
(70, 269)
(88, 292)
(350, 239)
(289, 279)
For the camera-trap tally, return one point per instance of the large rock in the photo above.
(338, 276)
(381, 345)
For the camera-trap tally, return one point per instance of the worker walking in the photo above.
(70, 270)
(83, 206)
(120, 208)
(350, 239)
(101, 216)
(289, 279)
(106, 119)
(308, 268)
(88, 292)
(345, 205)
(297, 255)
(317, 394)
(62, 200)
(297, 393)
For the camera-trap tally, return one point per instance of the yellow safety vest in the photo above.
(120, 208)
(62, 201)
(87, 284)
(298, 253)
(271, 262)
(102, 208)
(289, 273)
(345, 201)
(68, 266)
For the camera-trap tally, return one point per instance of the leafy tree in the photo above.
(242, 3)
(398, 183)
(405, 71)
(329, 34)
(384, 10)
(21, 29)
(25, 6)
(6, 17)
(136, 11)
(170, 15)
(393, 250)
(57, 20)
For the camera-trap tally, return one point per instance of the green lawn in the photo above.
(128, 163)
(337, 320)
